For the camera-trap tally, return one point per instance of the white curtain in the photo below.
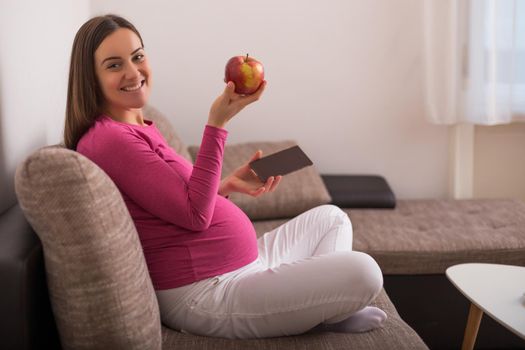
(474, 61)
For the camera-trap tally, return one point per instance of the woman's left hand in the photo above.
(244, 180)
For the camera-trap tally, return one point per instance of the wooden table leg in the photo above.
(471, 331)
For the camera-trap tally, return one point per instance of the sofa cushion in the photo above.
(395, 334)
(297, 192)
(100, 290)
(166, 129)
(427, 236)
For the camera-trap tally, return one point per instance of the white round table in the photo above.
(497, 290)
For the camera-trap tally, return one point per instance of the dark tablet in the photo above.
(280, 163)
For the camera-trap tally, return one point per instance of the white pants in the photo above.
(306, 274)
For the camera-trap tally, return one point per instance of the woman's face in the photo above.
(123, 72)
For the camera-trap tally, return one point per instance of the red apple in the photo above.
(246, 72)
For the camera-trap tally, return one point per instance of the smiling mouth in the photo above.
(134, 87)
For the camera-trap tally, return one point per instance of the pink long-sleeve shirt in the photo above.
(187, 230)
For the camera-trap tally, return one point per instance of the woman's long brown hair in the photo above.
(84, 96)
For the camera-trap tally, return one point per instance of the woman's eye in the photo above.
(114, 65)
(139, 57)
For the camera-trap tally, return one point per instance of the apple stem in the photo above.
(246, 60)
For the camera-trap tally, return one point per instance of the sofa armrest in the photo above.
(359, 191)
(27, 320)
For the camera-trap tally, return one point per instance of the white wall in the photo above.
(344, 79)
(35, 42)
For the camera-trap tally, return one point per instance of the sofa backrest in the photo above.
(100, 290)
(167, 130)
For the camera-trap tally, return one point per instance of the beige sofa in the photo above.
(99, 287)
(102, 296)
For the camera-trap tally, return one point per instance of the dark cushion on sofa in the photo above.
(359, 191)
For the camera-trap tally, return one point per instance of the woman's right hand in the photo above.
(230, 103)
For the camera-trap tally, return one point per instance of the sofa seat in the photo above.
(395, 334)
(427, 236)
